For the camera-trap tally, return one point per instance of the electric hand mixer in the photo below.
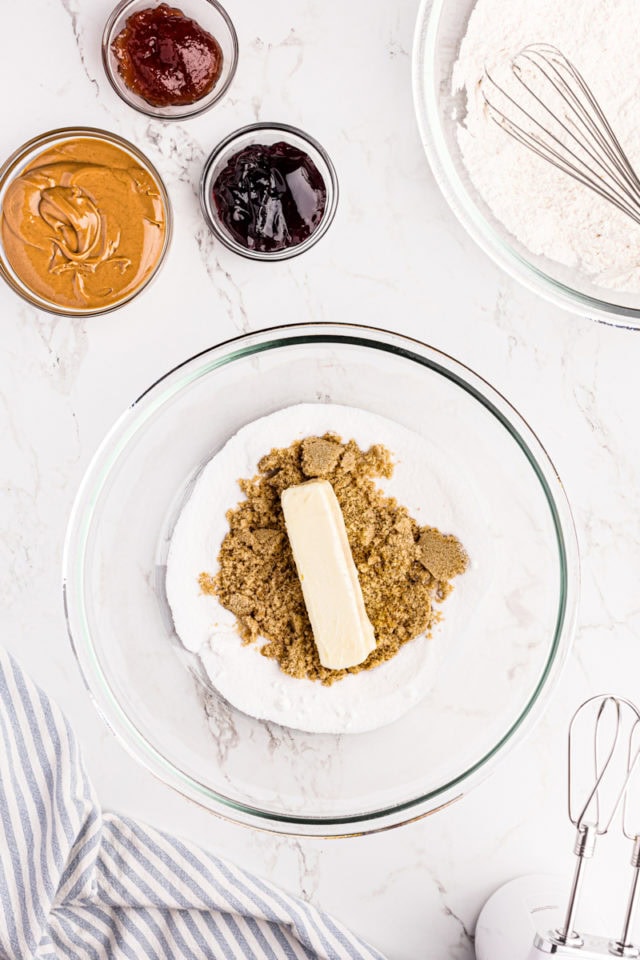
(509, 925)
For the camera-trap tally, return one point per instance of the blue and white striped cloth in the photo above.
(79, 884)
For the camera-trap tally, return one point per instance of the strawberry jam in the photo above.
(166, 58)
(270, 197)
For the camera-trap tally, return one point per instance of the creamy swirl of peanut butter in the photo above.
(84, 224)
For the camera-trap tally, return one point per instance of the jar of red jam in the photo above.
(269, 191)
(172, 59)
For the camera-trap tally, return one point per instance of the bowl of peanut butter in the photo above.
(85, 221)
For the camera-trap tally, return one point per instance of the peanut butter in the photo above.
(84, 224)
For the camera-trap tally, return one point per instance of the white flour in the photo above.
(424, 480)
(549, 212)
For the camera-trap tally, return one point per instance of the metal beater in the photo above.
(613, 767)
(603, 766)
(552, 111)
(623, 946)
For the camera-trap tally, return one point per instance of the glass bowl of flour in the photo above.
(226, 726)
(551, 233)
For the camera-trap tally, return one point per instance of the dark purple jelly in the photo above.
(270, 197)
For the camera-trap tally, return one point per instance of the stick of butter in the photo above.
(332, 594)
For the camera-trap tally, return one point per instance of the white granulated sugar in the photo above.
(424, 480)
(547, 211)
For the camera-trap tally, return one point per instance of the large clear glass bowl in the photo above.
(440, 29)
(495, 675)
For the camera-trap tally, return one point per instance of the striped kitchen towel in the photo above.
(79, 884)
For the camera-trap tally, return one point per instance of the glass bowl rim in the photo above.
(462, 204)
(333, 192)
(42, 140)
(190, 110)
(116, 441)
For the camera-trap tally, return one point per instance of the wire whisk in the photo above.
(553, 112)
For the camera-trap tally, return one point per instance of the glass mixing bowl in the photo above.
(494, 676)
(440, 29)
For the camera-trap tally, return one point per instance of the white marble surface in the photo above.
(395, 257)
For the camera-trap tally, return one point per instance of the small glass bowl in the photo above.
(211, 16)
(267, 133)
(13, 167)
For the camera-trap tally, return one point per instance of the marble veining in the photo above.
(72, 9)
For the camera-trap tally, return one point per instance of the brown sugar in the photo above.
(404, 569)
(441, 554)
